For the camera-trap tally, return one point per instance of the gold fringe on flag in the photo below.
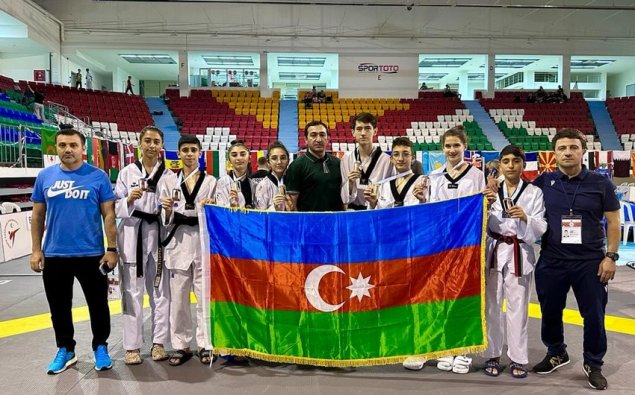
(342, 363)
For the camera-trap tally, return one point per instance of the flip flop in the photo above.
(494, 368)
(513, 367)
(179, 357)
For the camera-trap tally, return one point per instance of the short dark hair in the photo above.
(189, 139)
(363, 117)
(151, 128)
(262, 161)
(513, 150)
(70, 132)
(402, 141)
(277, 144)
(568, 133)
(314, 123)
(457, 131)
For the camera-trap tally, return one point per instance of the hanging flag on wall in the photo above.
(546, 161)
(531, 166)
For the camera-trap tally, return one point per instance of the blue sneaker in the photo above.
(63, 359)
(102, 359)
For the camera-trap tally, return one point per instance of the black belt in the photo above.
(179, 219)
(357, 207)
(149, 218)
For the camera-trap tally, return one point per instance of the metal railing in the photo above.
(19, 147)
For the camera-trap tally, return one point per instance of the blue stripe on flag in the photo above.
(345, 237)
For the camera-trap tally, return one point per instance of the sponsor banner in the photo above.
(16, 235)
(378, 76)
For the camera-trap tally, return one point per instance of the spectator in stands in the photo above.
(308, 100)
(89, 79)
(423, 86)
(78, 78)
(448, 92)
(540, 95)
(38, 104)
(321, 96)
(129, 85)
(314, 179)
(29, 96)
(74, 198)
(562, 97)
(263, 170)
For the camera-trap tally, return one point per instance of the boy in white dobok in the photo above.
(516, 220)
(182, 196)
(404, 189)
(457, 178)
(139, 233)
(365, 166)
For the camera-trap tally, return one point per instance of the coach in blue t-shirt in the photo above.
(73, 197)
(573, 254)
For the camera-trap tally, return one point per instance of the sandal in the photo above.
(179, 357)
(514, 368)
(132, 357)
(158, 352)
(492, 367)
(205, 357)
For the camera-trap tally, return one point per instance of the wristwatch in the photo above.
(111, 249)
(613, 255)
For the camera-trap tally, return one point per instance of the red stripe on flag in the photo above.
(267, 285)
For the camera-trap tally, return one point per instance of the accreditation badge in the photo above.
(571, 229)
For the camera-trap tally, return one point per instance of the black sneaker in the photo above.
(596, 379)
(551, 363)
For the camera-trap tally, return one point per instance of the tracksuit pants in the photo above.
(59, 275)
(554, 278)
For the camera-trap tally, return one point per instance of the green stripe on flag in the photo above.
(362, 338)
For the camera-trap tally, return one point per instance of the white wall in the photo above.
(21, 68)
(616, 83)
(354, 82)
(119, 77)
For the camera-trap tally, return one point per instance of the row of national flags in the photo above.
(111, 156)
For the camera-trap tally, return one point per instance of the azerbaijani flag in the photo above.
(347, 289)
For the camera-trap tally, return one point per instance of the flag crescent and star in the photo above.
(359, 287)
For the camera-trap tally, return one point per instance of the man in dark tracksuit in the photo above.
(573, 254)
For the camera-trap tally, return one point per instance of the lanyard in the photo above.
(365, 161)
(179, 182)
(570, 203)
(405, 173)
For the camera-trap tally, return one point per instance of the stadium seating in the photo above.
(130, 112)
(248, 116)
(622, 111)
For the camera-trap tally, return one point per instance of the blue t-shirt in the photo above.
(589, 195)
(73, 213)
